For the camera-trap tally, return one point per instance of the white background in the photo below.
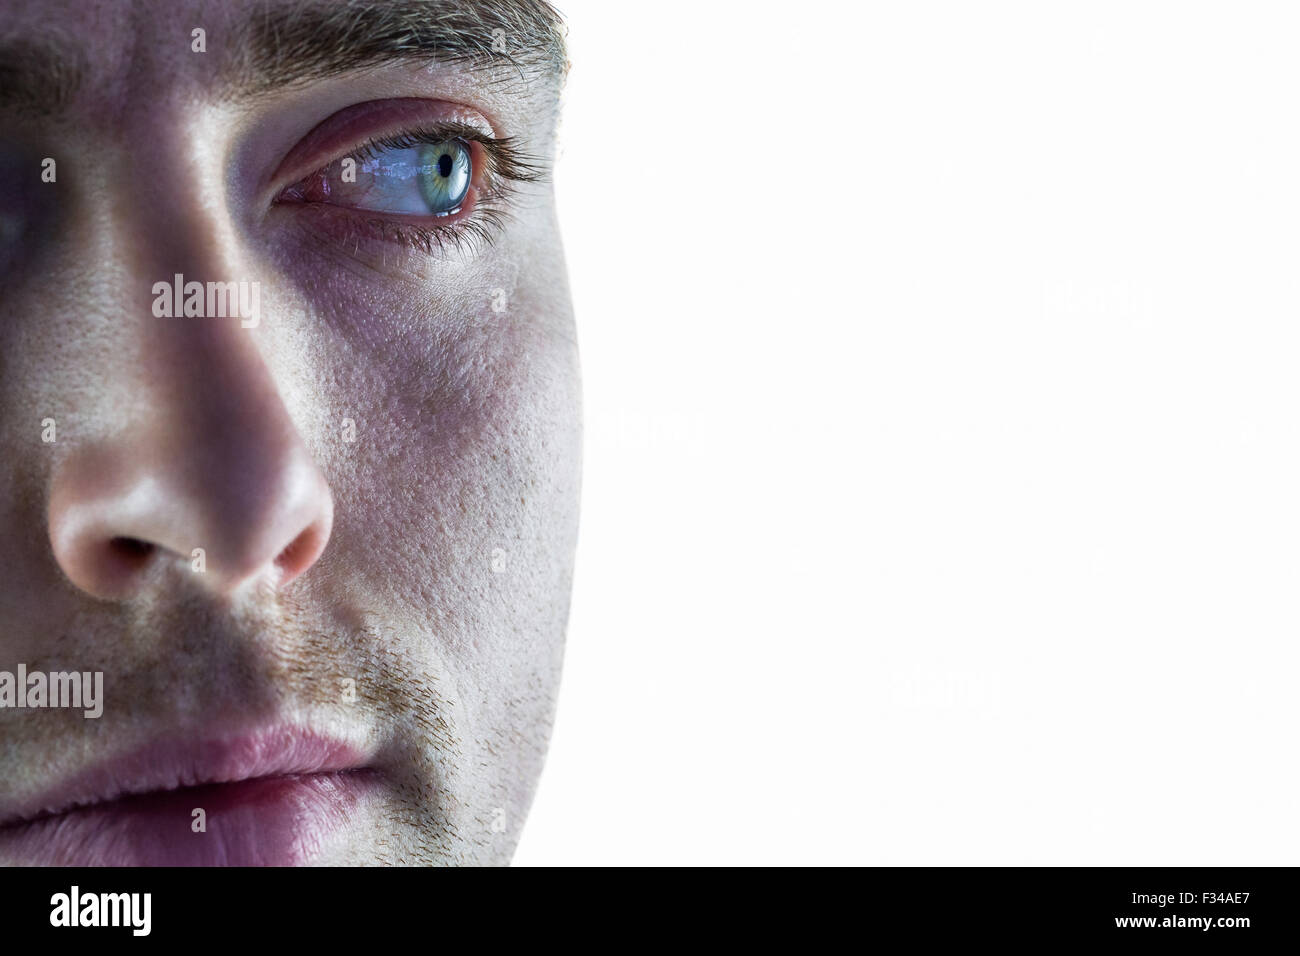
(942, 479)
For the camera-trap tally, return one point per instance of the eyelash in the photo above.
(507, 167)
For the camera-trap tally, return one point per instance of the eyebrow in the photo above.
(289, 45)
(37, 78)
(282, 45)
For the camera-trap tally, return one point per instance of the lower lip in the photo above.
(272, 821)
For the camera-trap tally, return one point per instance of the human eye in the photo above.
(430, 184)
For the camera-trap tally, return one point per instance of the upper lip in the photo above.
(180, 762)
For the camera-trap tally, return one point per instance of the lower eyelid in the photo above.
(465, 210)
(476, 227)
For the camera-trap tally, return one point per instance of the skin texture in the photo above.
(427, 559)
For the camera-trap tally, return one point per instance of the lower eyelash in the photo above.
(351, 227)
(470, 236)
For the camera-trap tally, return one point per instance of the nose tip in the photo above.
(116, 515)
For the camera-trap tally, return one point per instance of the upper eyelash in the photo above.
(508, 162)
(507, 165)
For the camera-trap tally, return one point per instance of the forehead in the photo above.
(56, 54)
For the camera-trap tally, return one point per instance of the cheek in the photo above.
(456, 501)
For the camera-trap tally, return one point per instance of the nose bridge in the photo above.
(142, 218)
(169, 200)
(160, 244)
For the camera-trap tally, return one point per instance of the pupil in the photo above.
(444, 165)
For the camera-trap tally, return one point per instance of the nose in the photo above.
(210, 478)
(183, 458)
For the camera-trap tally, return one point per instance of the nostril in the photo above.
(131, 552)
(301, 554)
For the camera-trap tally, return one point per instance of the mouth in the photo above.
(272, 798)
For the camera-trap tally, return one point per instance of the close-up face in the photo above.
(289, 429)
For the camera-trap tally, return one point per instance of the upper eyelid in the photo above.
(348, 129)
(431, 133)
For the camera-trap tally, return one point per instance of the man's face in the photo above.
(289, 417)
